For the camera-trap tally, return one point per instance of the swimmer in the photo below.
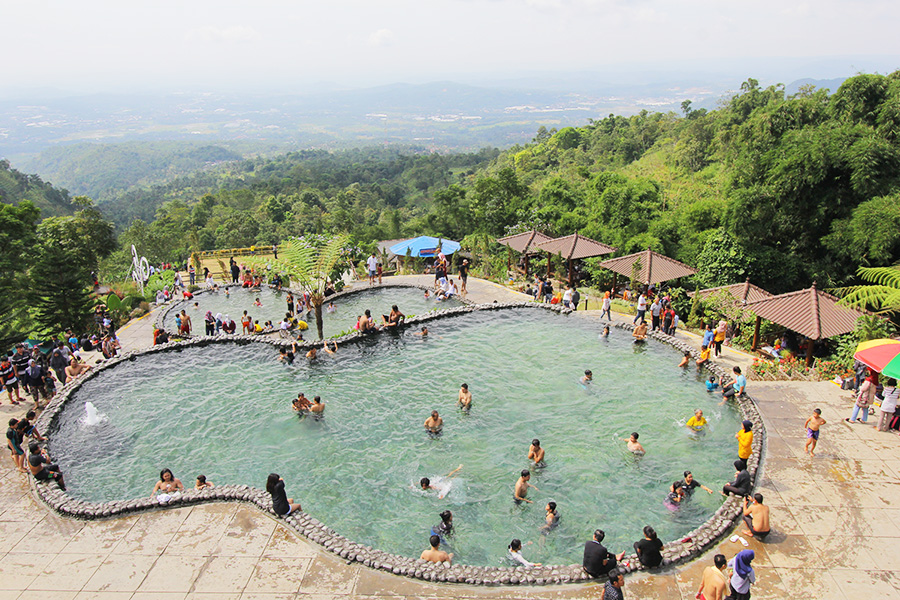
(606, 331)
(588, 377)
(685, 361)
(227, 293)
(536, 453)
(551, 519)
(301, 404)
(434, 424)
(674, 497)
(167, 484)
(423, 333)
(313, 353)
(331, 308)
(465, 397)
(426, 484)
(514, 553)
(711, 383)
(634, 445)
(697, 423)
(522, 485)
(427, 294)
(202, 483)
(688, 484)
(640, 333)
(435, 554)
(318, 407)
(445, 527)
(327, 350)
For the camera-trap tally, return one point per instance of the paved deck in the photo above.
(835, 517)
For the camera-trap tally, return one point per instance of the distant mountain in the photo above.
(101, 171)
(829, 84)
(16, 187)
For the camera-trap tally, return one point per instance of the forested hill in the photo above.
(16, 187)
(784, 189)
(103, 171)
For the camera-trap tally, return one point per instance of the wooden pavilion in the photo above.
(651, 267)
(572, 247)
(524, 243)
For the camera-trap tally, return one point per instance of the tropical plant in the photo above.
(883, 295)
(309, 263)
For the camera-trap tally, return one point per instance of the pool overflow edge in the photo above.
(674, 552)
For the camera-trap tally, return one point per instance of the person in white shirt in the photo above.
(567, 297)
(514, 553)
(889, 404)
(641, 309)
(372, 266)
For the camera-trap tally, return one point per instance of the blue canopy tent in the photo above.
(425, 246)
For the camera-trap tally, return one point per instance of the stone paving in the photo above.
(835, 521)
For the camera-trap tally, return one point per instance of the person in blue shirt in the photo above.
(736, 388)
(708, 336)
(711, 383)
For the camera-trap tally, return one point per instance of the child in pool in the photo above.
(712, 384)
(674, 498)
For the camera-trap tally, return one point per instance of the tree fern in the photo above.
(882, 296)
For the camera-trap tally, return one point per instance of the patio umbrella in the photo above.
(425, 245)
(881, 355)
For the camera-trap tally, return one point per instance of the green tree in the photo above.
(722, 261)
(17, 236)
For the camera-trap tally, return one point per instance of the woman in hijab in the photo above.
(218, 323)
(742, 576)
(210, 322)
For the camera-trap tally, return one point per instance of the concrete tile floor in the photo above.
(836, 521)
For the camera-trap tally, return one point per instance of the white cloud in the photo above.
(382, 37)
(211, 33)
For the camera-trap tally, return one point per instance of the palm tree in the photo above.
(309, 265)
(883, 295)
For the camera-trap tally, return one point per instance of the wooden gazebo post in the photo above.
(756, 334)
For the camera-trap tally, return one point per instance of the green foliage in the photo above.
(722, 261)
(17, 236)
(868, 327)
(16, 188)
(883, 295)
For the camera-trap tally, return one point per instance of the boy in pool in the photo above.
(465, 397)
(812, 431)
(423, 333)
(588, 377)
(686, 359)
(442, 484)
(301, 403)
(536, 453)
(634, 445)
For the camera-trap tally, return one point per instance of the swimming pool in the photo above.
(224, 410)
(348, 306)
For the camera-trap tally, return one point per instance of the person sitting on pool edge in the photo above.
(756, 517)
(742, 483)
(394, 318)
(648, 549)
(281, 504)
(41, 467)
(435, 554)
(434, 424)
(640, 332)
(536, 453)
(597, 560)
(365, 323)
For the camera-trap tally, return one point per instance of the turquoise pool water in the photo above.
(224, 410)
(411, 301)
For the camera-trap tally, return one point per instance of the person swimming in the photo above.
(441, 484)
(445, 527)
(588, 377)
(697, 423)
(634, 445)
(674, 497)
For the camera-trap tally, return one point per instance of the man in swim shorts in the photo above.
(812, 431)
(640, 332)
(536, 453)
(435, 554)
(714, 584)
(522, 485)
(434, 424)
(756, 517)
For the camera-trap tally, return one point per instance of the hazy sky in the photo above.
(92, 44)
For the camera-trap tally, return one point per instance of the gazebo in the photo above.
(652, 267)
(810, 312)
(741, 292)
(572, 247)
(524, 243)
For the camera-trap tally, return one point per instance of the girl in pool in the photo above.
(674, 498)
(257, 302)
(167, 487)
(514, 553)
(281, 504)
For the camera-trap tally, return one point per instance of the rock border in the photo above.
(692, 545)
(159, 323)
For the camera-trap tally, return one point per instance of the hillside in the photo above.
(102, 171)
(16, 187)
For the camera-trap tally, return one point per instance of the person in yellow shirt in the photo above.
(257, 328)
(745, 442)
(696, 423)
(704, 357)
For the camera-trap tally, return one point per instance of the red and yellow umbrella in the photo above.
(881, 355)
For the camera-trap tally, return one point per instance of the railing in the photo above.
(252, 250)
